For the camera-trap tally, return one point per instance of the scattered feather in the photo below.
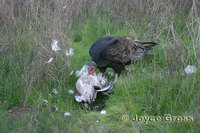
(103, 112)
(190, 69)
(72, 72)
(69, 52)
(97, 121)
(78, 98)
(83, 71)
(67, 114)
(54, 45)
(144, 70)
(45, 101)
(50, 60)
(56, 108)
(71, 92)
(55, 91)
(149, 25)
(64, 7)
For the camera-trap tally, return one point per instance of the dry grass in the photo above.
(27, 28)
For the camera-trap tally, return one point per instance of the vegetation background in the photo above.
(154, 86)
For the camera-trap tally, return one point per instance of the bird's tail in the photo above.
(148, 46)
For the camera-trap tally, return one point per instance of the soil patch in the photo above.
(18, 111)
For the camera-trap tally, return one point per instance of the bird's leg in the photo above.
(116, 75)
(102, 71)
(101, 74)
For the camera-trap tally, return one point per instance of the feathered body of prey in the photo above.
(116, 52)
(88, 86)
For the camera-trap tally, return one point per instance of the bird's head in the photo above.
(91, 67)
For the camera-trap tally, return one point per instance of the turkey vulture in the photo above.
(116, 52)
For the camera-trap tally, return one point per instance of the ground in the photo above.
(18, 111)
(154, 86)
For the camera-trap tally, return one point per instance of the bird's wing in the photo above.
(100, 44)
(123, 50)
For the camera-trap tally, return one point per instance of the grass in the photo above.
(154, 86)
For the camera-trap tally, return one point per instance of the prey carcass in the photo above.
(88, 86)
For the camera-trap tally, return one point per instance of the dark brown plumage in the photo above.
(117, 51)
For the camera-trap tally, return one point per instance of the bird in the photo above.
(87, 87)
(116, 52)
